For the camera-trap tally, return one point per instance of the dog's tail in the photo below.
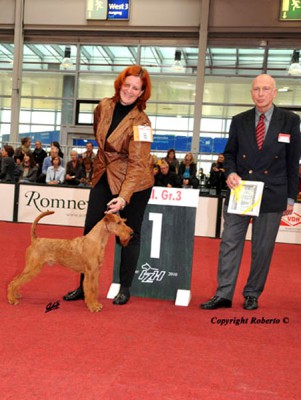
(34, 224)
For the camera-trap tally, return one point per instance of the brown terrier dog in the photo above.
(81, 254)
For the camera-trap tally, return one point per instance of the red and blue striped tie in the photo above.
(260, 129)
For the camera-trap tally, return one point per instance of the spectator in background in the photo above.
(24, 149)
(89, 153)
(87, 171)
(39, 155)
(18, 168)
(156, 170)
(73, 169)
(187, 172)
(58, 146)
(55, 173)
(167, 178)
(29, 169)
(54, 151)
(217, 178)
(172, 161)
(8, 165)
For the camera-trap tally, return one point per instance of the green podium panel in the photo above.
(167, 240)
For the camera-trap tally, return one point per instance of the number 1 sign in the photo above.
(165, 262)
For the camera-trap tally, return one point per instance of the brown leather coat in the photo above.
(128, 163)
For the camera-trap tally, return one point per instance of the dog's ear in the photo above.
(109, 218)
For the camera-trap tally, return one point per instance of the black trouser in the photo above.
(100, 195)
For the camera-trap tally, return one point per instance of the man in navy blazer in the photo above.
(276, 164)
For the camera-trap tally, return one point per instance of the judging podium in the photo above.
(167, 240)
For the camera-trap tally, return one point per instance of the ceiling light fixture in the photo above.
(295, 67)
(67, 62)
(177, 65)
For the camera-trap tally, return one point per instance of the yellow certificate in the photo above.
(246, 198)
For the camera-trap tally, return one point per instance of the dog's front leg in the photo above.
(91, 291)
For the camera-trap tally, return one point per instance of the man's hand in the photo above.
(289, 210)
(233, 181)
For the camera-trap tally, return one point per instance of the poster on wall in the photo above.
(289, 229)
(7, 200)
(69, 204)
(107, 9)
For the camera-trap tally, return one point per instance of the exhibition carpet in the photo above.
(149, 349)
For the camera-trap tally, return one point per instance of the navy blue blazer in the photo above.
(276, 164)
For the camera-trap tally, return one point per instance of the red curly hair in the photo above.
(134, 70)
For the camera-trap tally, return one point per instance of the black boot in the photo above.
(77, 294)
(122, 297)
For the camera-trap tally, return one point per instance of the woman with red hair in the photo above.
(123, 169)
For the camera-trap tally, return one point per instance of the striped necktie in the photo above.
(260, 129)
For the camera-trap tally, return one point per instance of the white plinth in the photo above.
(183, 297)
(113, 291)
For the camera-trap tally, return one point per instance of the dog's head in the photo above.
(116, 225)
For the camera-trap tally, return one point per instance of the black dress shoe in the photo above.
(77, 294)
(216, 302)
(251, 303)
(121, 298)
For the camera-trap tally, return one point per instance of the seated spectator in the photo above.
(166, 177)
(55, 173)
(89, 153)
(29, 169)
(217, 177)
(202, 175)
(156, 170)
(39, 155)
(172, 161)
(18, 168)
(24, 149)
(8, 164)
(73, 169)
(187, 172)
(48, 163)
(87, 171)
(58, 146)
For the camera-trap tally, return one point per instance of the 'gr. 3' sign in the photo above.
(165, 261)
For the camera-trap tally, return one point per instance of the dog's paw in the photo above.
(13, 302)
(95, 307)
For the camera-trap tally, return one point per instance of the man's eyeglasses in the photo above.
(265, 89)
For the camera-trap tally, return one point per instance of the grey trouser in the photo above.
(264, 231)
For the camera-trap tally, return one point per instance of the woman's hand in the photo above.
(115, 205)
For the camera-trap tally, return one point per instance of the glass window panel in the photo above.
(24, 128)
(163, 59)
(173, 88)
(107, 58)
(41, 104)
(40, 128)
(172, 123)
(25, 116)
(6, 83)
(5, 129)
(5, 116)
(6, 56)
(211, 125)
(37, 84)
(170, 109)
(47, 56)
(40, 116)
(93, 86)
